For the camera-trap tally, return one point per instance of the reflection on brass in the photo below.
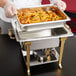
(10, 34)
(48, 58)
(48, 54)
(28, 73)
(59, 72)
(0, 30)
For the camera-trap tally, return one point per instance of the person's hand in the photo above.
(9, 10)
(60, 4)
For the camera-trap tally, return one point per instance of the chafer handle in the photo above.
(67, 26)
(10, 34)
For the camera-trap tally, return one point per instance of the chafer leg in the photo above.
(61, 51)
(27, 44)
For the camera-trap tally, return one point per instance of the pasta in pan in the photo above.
(36, 15)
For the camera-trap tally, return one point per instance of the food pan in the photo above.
(45, 7)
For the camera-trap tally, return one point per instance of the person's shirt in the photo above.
(71, 5)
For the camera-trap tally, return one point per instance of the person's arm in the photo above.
(8, 7)
(3, 3)
(60, 3)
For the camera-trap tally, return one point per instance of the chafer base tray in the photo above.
(35, 62)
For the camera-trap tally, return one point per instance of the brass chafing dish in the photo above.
(27, 33)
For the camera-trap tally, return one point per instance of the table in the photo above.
(11, 61)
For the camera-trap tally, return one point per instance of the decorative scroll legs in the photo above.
(27, 44)
(61, 51)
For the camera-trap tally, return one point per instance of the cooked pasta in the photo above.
(36, 15)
